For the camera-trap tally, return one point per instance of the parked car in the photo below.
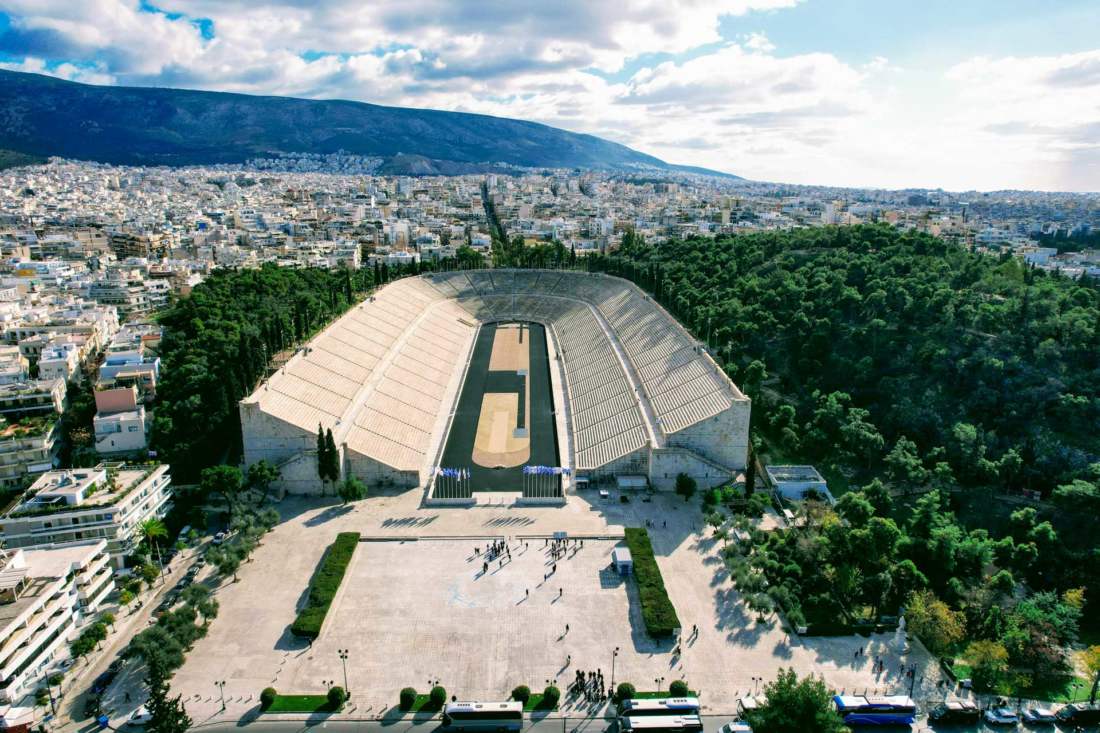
(736, 726)
(219, 538)
(1080, 714)
(193, 570)
(141, 716)
(1001, 716)
(102, 682)
(952, 712)
(115, 666)
(91, 706)
(1039, 716)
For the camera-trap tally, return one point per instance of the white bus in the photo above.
(634, 708)
(495, 716)
(661, 724)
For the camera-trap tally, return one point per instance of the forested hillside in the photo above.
(932, 386)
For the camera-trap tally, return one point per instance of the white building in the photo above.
(795, 482)
(44, 595)
(107, 502)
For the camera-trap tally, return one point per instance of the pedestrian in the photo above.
(526, 592)
(484, 567)
(567, 628)
(560, 592)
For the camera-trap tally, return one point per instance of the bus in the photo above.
(495, 716)
(884, 710)
(661, 724)
(659, 706)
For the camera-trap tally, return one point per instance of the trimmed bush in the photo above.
(325, 585)
(624, 691)
(267, 697)
(521, 694)
(550, 696)
(678, 688)
(408, 697)
(658, 612)
(336, 696)
(438, 696)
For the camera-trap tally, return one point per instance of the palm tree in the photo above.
(152, 530)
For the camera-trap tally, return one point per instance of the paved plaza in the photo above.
(417, 605)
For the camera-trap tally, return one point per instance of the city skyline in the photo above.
(986, 96)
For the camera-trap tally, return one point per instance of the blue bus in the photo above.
(884, 710)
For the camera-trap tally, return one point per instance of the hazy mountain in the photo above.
(42, 116)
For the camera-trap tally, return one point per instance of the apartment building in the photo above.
(28, 446)
(44, 595)
(120, 422)
(107, 502)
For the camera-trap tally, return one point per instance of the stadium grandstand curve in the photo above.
(633, 392)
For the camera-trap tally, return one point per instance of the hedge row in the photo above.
(657, 610)
(324, 586)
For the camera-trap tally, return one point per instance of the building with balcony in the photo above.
(108, 502)
(120, 422)
(34, 396)
(28, 446)
(45, 593)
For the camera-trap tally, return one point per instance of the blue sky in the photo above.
(959, 95)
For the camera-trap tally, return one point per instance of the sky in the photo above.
(959, 94)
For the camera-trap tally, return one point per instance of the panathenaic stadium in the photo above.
(530, 382)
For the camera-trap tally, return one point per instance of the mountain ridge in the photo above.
(46, 116)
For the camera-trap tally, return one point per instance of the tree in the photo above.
(332, 457)
(225, 481)
(336, 697)
(352, 489)
(685, 485)
(1091, 659)
(625, 691)
(550, 696)
(149, 573)
(988, 663)
(679, 688)
(407, 698)
(438, 696)
(322, 455)
(152, 531)
(167, 715)
(261, 475)
(796, 706)
(933, 621)
(267, 696)
(522, 694)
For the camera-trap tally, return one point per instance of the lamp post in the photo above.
(221, 689)
(660, 683)
(614, 656)
(344, 661)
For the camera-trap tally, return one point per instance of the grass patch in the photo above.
(657, 610)
(301, 704)
(325, 585)
(424, 704)
(537, 703)
(659, 695)
(1056, 689)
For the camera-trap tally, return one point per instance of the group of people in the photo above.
(498, 550)
(590, 686)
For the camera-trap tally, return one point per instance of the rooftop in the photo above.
(794, 473)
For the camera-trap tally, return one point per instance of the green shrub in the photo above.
(521, 694)
(267, 697)
(624, 691)
(679, 688)
(336, 696)
(325, 585)
(658, 612)
(438, 696)
(408, 697)
(550, 696)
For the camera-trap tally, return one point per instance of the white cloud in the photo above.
(745, 107)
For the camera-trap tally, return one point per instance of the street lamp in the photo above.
(221, 688)
(614, 655)
(660, 683)
(344, 661)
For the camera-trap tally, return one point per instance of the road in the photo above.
(71, 708)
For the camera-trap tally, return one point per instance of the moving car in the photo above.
(1039, 716)
(952, 712)
(1001, 716)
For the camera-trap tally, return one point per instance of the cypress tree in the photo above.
(332, 457)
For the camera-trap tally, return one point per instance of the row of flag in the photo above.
(545, 471)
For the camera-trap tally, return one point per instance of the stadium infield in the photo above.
(504, 419)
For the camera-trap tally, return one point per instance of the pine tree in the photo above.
(332, 458)
(322, 454)
(167, 715)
